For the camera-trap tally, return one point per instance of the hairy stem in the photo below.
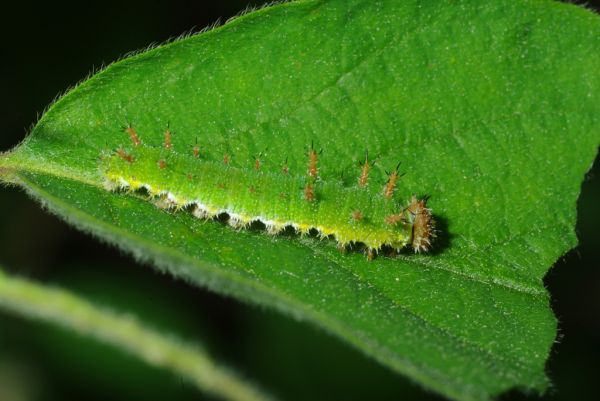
(61, 307)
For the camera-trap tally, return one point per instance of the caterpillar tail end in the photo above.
(423, 228)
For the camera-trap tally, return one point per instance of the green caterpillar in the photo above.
(349, 214)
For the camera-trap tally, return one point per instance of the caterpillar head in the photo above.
(423, 224)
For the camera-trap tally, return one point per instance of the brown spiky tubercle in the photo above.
(394, 218)
(312, 162)
(390, 187)
(257, 161)
(196, 148)
(168, 136)
(285, 167)
(123, 155)
(423, 224)
(357, 215)
(130, 129)
(226, 156)
(309, 193)
(364, 167)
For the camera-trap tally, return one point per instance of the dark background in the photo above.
(45, 47)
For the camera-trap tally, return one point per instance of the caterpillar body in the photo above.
(349, 214)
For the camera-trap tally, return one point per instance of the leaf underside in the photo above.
(490, 107)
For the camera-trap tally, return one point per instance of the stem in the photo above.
(61, 307)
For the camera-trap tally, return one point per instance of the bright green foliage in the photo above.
(491, 106)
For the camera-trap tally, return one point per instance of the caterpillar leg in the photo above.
(200, 213)
(236, 222)
(273, 229)
(165, 202)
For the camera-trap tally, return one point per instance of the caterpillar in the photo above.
(349, 214)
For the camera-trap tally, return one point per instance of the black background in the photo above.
(46, 47)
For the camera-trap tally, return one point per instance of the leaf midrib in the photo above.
(32, 168)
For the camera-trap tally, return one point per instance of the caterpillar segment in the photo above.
(348, 214)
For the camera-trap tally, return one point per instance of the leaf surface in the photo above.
(492, 109)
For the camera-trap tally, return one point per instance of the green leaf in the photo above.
(63, 308)
(490, 107)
